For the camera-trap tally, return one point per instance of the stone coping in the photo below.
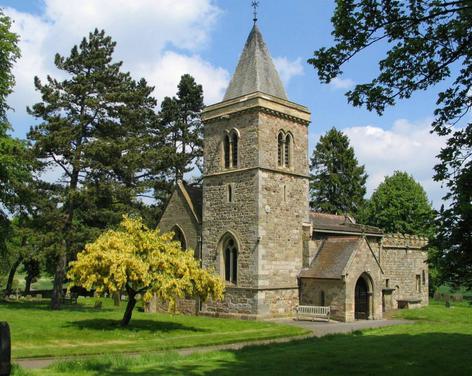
(257, 101)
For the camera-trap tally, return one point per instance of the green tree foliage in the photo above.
(429, 41)
(34, 237)
(337, 181)
(9, 53)
(91, 124)
(400, 204)
(15, 164)
(180, 117)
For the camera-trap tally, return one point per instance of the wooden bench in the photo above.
(313, 312)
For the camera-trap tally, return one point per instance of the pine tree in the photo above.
(337, 181)
(87, 120)
(180, 115)
(400, 204)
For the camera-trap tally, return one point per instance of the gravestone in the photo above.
(5, 349)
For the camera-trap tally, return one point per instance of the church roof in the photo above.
(196, 196)
(323, 222)
(332, 258)
(193, 194)
(255, 71)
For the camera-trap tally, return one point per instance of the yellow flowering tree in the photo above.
(142, 261)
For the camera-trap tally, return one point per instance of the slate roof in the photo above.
(255, 71)
(196, 196)
(332, 258)
(340, 224)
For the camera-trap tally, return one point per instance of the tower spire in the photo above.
(255, 5)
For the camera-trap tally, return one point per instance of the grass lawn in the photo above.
(439, 343)
(42, 283)
(78, 330)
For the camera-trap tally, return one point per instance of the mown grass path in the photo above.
(439, 343)
(83, 330)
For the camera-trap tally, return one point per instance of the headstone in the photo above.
(5, 349)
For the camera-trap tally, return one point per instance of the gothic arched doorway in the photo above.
(361, 300)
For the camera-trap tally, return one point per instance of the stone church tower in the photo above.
(250, 221)
(255, 189)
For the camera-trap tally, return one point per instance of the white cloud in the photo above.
(341, 83)
(406, 147)
(288, 68)
(166, 72)
(147, 33)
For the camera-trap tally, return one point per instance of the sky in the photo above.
(162, 39)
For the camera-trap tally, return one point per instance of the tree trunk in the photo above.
(57, 293)
(129, 308)
(11, 276)
(116, 299)
(28, 280)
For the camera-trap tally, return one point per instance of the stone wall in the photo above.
(269, 128)
(237, 302)
(334, 292)
(404, 260)
(269, 207)
(246, 124)
(364, 265)
(283, 208)
(178, 213)
(184, 306)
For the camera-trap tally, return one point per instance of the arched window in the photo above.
(234, 144)
(179, 237)
(280, 149)
(230, 255)
(230, 149)
(227, 151)
(288, 150)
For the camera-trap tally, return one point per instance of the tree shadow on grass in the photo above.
(421, 354)
(44, 305)
(137, 325)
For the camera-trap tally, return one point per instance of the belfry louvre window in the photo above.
(288, 150)
(231, 260)
(231, 149)
(235, 140)
(227, 150)
(280, 149)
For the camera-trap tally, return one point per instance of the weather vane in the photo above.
(255, 5)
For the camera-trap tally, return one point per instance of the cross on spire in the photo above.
(255, 5)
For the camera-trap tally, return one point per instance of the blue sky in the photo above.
(162, 39)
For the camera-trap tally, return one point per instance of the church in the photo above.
(250, 220)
